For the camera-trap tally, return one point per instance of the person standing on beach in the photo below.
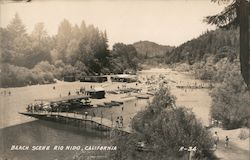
(117, 123)
(121, 121)
(226, 142)
(216, 139)
(86, 115)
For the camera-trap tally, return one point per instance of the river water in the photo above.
(43, 133)
(16, 129)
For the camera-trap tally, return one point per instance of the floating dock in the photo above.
(79, 120)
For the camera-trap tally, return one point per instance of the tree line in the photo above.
(76, 50)
(219, 43)
(214, 57)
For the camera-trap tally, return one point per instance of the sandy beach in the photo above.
(22, 96)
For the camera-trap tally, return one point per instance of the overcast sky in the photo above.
(168, 22)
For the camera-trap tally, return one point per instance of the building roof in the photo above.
(96, 89)
(124, 76)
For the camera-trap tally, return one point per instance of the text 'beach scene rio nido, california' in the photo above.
(125, 80)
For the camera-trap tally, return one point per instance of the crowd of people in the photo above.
(119, 122)
(6, 93)
(35, 107)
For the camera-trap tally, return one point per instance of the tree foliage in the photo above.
(219, 43)
(230, 101)
(228, 18)
(236, 14)
(80, 50)
(123, 57)
(164, 128)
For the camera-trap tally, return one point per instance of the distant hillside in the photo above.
(219, 43)
(147, 49)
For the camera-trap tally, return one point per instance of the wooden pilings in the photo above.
(78, 120)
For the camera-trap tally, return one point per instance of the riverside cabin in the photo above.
(98, 79)
(69, 78)
(96, 93)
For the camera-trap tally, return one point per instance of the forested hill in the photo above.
(147, 49)
(219, 43)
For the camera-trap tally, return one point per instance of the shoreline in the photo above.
(22, 96)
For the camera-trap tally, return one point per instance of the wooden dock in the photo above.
(79, 120)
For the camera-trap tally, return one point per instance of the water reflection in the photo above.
(43, 133)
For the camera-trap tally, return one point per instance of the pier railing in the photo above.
(65, 116)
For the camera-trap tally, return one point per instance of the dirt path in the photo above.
(238, 148)
(231, 153)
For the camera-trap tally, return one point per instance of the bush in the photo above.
(14, 76)
(215, 72)
(230, 101)
(164, 128)
(182, 67)
(243, 134)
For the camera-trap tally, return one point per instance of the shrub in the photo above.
(230, 101)
(14, 76)
(243, 134)
(164, 128)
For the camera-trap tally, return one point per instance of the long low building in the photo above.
(124, 78)
(98, 79)
(69, 78)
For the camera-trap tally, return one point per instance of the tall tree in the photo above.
(123, 57)
(20, 41)
(237, 13)
(16, 27)
(83, 28)
(6, 54)
(93, 48)
(39, 33)
(41, 46)
(76, 33)
(63, 38)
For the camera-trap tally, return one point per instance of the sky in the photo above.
(167, 22)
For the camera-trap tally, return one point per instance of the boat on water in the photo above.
(151, 93)
(112, 103)
(99, 105)
(119, 102)
(142, 97)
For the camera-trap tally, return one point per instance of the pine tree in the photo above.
(236, 14)
(16, 27)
